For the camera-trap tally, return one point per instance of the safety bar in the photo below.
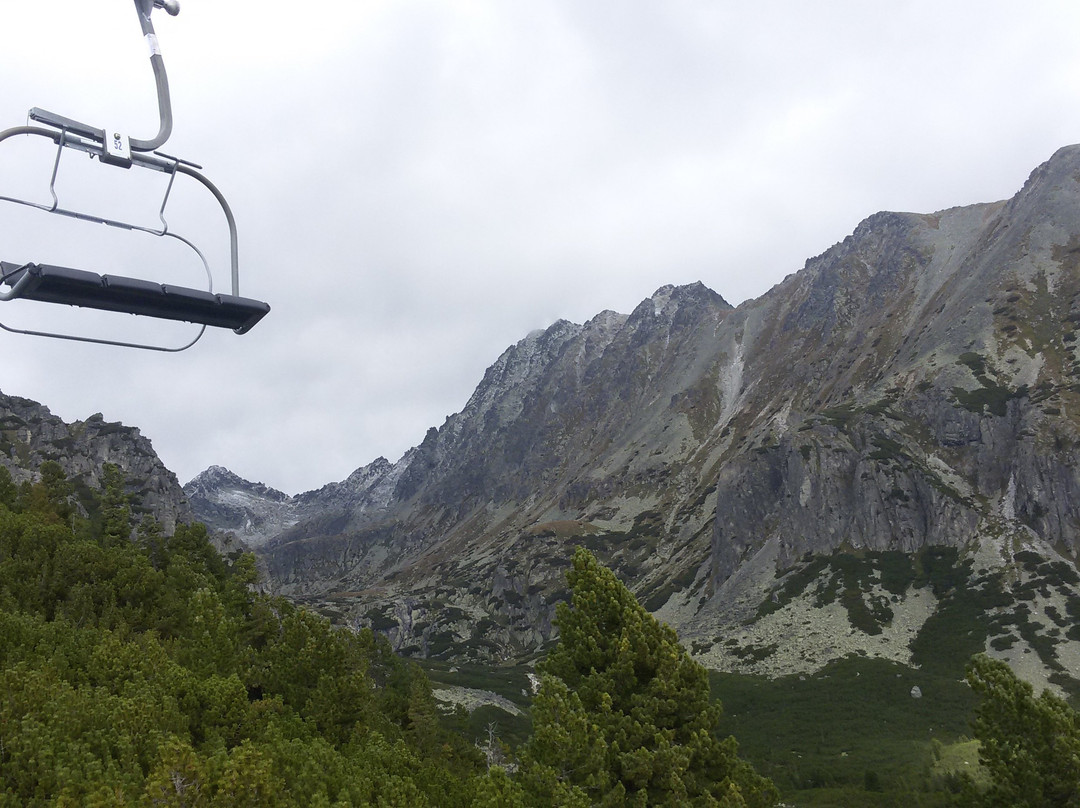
(156, 162)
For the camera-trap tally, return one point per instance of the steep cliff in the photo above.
(916, 386)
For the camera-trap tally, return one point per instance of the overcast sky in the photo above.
(420, 184)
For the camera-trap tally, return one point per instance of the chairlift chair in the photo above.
(79, 287)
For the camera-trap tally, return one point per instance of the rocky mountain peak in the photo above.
(667, 302)
(1055, 173)
(254, 513)
(696, 293)
(218, 478)
(363, 476)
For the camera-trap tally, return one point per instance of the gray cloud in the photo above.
(420, 184)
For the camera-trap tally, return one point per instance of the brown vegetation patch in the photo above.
(562, 529)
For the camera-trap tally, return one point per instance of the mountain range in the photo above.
(877, 457)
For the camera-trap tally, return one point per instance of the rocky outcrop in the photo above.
(252, 511)
(30, 435)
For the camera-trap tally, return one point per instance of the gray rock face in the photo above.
(929, 368)
(917, 384)
(252, 511)
(30, 435)
(257, 514)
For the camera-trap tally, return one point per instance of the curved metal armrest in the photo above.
(156, 162)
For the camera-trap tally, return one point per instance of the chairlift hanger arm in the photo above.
(161, 82)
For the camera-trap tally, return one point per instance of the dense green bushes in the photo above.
(138, 669)
(147, 672)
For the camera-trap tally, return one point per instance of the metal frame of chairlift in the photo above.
(55, 284)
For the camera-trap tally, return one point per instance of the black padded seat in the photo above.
(77, 287)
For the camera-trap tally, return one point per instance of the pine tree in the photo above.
(152, 540)
(624, 715)
(1030, 745)
(115, 510)
(9, 492)
(50, 496)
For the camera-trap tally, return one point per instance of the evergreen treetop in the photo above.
(624, 715)
(1029, 744)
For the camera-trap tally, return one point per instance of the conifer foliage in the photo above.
(624, 716)
(1030, 745)
(144, 671)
